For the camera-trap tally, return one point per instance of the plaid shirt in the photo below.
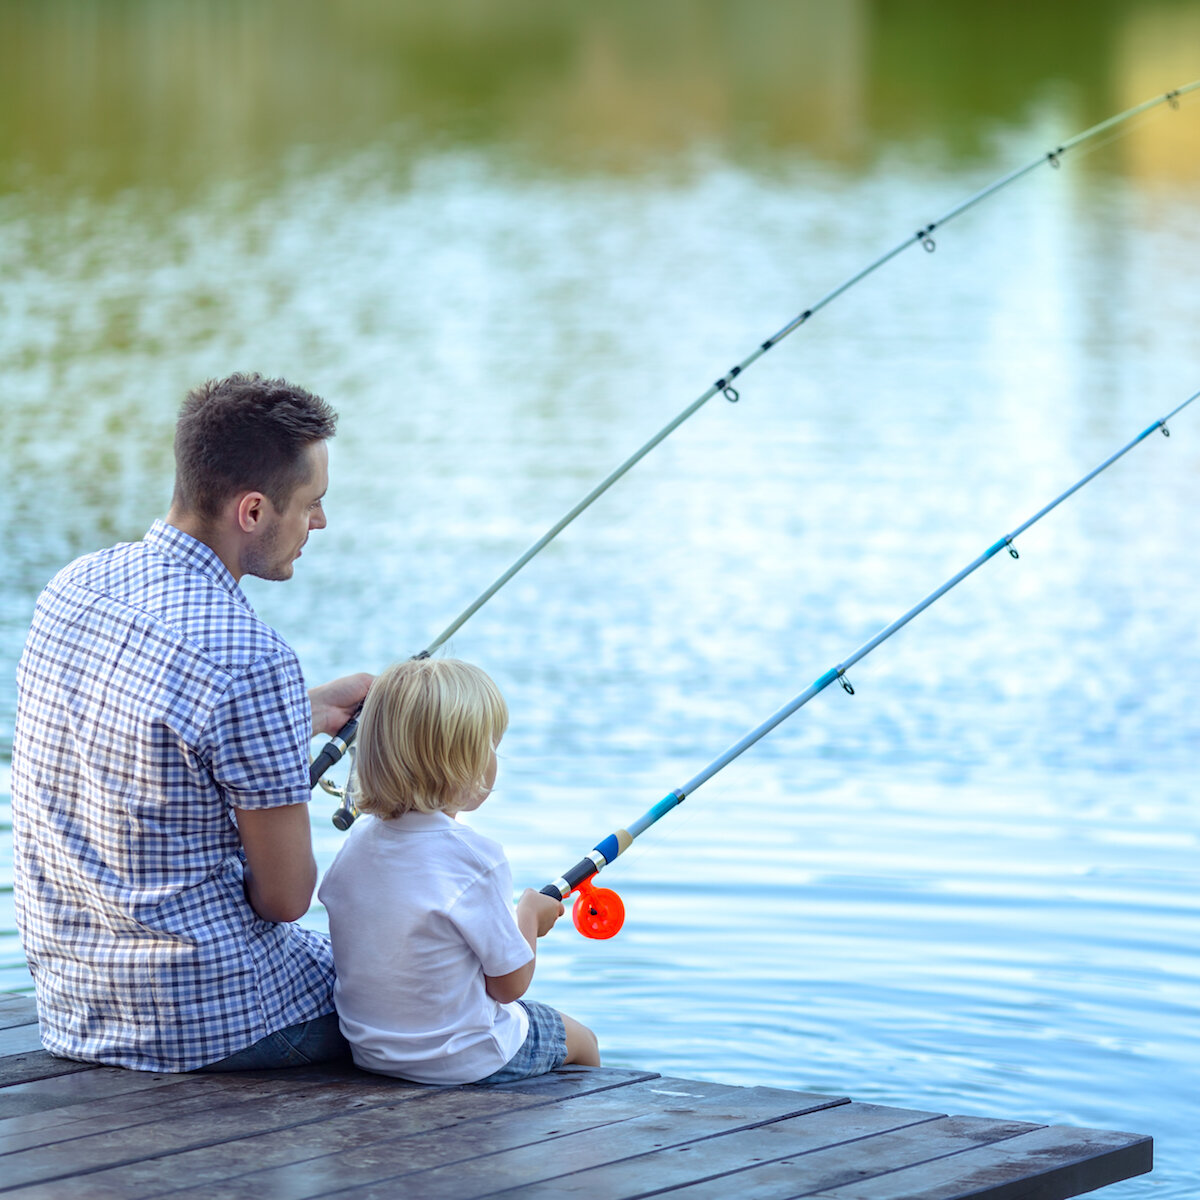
(151, 701)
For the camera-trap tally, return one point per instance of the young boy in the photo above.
(431, 960)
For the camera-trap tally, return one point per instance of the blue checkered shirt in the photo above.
(152, 701)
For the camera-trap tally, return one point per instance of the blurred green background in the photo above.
(176, 94)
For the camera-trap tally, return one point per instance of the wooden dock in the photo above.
(72, 1131)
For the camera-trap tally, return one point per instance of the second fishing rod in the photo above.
(337, 746)
(599, 912)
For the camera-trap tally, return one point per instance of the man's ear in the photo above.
(251, 508)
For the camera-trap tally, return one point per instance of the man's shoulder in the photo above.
(135, 584)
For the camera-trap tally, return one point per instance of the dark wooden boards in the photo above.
(72, 1131)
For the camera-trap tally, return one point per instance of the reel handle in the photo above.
(344, 815)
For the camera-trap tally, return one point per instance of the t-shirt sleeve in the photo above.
(484, 915)
(257, 741)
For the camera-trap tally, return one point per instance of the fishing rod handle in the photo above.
(609, 848)
(562, 887)
(333, 749)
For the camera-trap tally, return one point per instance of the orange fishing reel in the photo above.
(598, 912)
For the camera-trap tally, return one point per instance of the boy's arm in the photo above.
(536, 915)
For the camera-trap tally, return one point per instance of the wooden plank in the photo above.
(19, 1039)
(17, 1010)
(738, 1163)
(70, 1131)
(22, 1058)
(1051, 1163)
(406, 1147)
(212, 1110)
(795, 1158)
(155, 1172)
(62, 1095)
(520, 1149)
(37, 1064)
(569, 1082)
(187, 1096)
(358, 1125)
(18, 1002)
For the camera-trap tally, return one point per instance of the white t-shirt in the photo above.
(420, 910)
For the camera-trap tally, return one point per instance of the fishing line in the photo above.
(338, 745)
(598, 912)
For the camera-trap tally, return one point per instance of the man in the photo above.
(160, 765)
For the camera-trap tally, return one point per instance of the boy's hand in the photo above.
(543, 910)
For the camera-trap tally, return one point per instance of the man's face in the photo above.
(284, 532)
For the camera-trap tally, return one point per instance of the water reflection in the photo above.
(510, 242)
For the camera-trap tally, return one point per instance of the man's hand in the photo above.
(333, 704)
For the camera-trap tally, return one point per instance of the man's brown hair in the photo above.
(245, 434)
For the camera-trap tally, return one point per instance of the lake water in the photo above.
(969, 887)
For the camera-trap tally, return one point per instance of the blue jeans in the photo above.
(316, 1041)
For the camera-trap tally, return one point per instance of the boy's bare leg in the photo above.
(582, 1047)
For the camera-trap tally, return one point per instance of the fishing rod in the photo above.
(599, 912)
(337, 746)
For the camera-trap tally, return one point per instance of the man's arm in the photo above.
(281, 872)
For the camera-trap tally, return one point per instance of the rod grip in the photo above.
(585, 868)
(333, 750)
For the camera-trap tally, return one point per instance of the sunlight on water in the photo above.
(970, 886)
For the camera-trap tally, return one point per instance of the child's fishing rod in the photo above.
(337, 746)
(598, 912)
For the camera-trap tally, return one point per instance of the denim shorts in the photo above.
(315, 1041)
(544, 1047)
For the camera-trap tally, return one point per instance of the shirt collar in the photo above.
(194, 554)
(420, 822)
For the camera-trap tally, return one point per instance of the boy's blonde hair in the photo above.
(426, 736)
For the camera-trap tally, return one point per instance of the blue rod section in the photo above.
(675, 798)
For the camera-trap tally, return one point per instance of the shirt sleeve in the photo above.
(257, 743)
(485, 917)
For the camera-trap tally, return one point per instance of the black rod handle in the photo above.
(333, 749)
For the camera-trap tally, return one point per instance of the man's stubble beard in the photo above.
(262, 561)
